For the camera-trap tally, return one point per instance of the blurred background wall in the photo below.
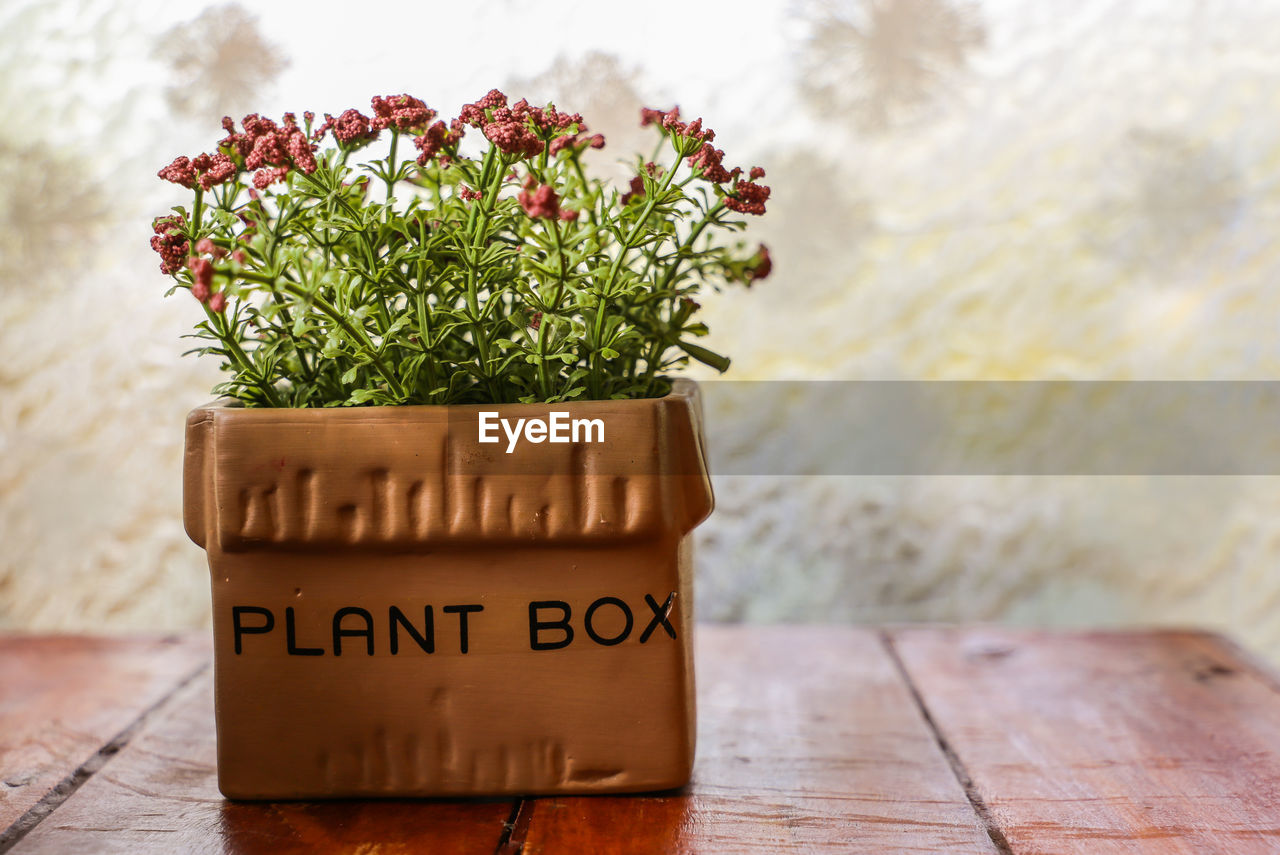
(962, 191)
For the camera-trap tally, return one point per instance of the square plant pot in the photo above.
(400, 609)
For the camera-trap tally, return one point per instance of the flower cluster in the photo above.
(352, 129)
(745, 197)
(202, 270)
(523, 130)
(170, 242)
(402, 112)
(203, 170)
(763, 264)
(541, 201)
(436, 139)
(670, 122)
(507, 276)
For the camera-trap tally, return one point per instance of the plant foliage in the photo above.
(332, 278)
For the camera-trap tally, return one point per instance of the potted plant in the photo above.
(447, 496)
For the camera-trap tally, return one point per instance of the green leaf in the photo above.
(706, 357)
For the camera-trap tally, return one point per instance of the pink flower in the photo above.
(523, 130)
(403, 112)
(552, 119)
(514, 137)
(300, 150)
(264, 177)
(201, 276)
(650, 116)
(169, 243)
(261, 145)
(747, 198)
(694, 130)
(756, 172)
(568, 214)
(239, 257)
(180, 171)
(232, 139)
(267, 151)
(474, 114)
(574, 141)
(219, 170)
(218, 302)
(709, 161)
(243, 143)
(542, 202)
(670, 123)
(168, 224)
(637, 190)
(535, 320)
(352, 129)
(467, 194)
(436, 138)
(764, 264)
(205, 246)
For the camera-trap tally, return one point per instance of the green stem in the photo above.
(225, 334)
(424, 339)
(307, 370)
(391, 164)
(687, 245)
(553, 310)
(659, 346)
(197, 214)
(337, 317)
(477, 222)
(597, 332)
(355, 332)
(273, 243)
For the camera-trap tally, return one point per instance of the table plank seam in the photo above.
(1259, 670)
(962, 776)
(516, 828)
(77, 778)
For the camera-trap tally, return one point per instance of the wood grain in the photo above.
(808, 741)
(1109, 741)
(812, 739)
(65, 698)
(160, 795)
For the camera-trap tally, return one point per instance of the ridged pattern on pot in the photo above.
(414, 762)
(413, 476)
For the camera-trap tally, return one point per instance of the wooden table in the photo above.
(811, 739)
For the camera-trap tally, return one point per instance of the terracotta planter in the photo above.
(402, 610)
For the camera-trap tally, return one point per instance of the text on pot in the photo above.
(552, 625)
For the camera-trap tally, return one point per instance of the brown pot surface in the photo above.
(401, 609)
